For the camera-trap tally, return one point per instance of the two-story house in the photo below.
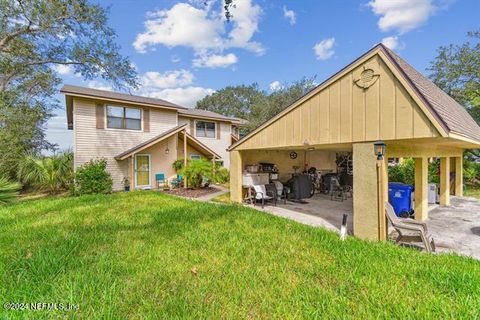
(140, 137)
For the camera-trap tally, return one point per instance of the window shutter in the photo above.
(192, 127)
(146, 120)
(217, 128)
(100, 115)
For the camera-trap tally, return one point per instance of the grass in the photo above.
(149, 255)
(472, 192)
(223, 198)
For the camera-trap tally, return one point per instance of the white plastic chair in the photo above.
(262, 194)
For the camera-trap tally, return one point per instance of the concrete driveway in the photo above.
(456, 228)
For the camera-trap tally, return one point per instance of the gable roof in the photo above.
(110, 95)
(450, 116)
(150, 142)
(164, 135)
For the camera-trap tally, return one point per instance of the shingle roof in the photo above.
(117, 96)
(208, 114)
(450, 113)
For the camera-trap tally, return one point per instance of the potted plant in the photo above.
(177, 165)
(126, 184)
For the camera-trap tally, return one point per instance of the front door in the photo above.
(142, 170)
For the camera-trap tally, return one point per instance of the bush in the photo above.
(403, 172)
(221, 175)
(8, 191)
(471, 172)
(196, 171)
(51, 174)
(93, 178)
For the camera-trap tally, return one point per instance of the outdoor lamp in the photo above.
(379, 149)
(167, 151)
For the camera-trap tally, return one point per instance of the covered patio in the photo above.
(378, 96)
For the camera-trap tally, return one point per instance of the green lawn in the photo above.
(472, 192)
(144, 254)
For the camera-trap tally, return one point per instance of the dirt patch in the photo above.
(193, 193)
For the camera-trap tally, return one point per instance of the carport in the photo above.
(376, 97)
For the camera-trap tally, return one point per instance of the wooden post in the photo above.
(421, 188)
(185, 182)
(236, 168)
(132, 172)
(445, 181)
(382, 191)
(459, 176)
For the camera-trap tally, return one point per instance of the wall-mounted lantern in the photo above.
(167, 151)
(379, 149)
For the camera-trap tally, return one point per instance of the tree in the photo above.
(252, 104)
(36, 36)
(456, 70)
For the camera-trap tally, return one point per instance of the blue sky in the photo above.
(185, 50)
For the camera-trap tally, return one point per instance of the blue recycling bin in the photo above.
(400, 197)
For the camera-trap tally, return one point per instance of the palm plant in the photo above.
(8, 191)
(51, 174)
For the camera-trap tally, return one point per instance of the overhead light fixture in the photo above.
(379, 149)
(311, 148)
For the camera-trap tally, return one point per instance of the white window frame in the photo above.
(122, 106)
(195, 128)
(149, 170)
(195, 156)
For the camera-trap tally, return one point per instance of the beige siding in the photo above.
(218, 145)
(342, 112)
(90, 142)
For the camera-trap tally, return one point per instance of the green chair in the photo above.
(177, 182)
(160, 178)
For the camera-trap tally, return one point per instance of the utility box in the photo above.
(432, 193)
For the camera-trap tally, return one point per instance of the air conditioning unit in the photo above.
(432, 193)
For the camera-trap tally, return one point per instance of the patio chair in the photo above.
(336, 190)
(160, 178)
(177, 182)
(410, 229)
(281, 191)
(261, 193)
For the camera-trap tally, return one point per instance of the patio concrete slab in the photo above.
(318, 211)
(456, 228)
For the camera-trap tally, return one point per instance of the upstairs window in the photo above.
(124, 118)
(205, 129)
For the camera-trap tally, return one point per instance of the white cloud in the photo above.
(175, 59)
(324, 49)
(290, 15)
(63, 69)
(203, 29)
(99, 85)
(187, 96)
(402, 15)
(168, 79)
(215, 61)
(275, 85)
(393, 43)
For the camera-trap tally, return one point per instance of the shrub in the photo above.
(196, 171)
(51, 174)
(403, 172)
(471, 172)
(92, 178)
(8, 191)
(221, 175)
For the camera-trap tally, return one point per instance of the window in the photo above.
(195, 157)
(124, 118)
(205, 129)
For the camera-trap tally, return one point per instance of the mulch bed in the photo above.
(193, 193)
